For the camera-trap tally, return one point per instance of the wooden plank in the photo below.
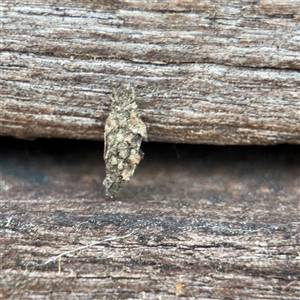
(211, 223)
(205, 72)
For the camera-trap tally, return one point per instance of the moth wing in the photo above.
(105, 147)
(138, 126)
(143, 131)
(110, 124)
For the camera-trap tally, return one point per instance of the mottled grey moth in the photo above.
(123, 134)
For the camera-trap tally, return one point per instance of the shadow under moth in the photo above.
(123, 134)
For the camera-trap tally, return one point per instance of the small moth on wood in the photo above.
(123, 134)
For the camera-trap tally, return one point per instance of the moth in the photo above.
(123, 135)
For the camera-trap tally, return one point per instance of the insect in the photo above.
(123, 134)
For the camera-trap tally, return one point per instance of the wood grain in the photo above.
(205, 223)
(205, 72)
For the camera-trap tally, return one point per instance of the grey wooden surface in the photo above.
(205, 72)
(195, 222)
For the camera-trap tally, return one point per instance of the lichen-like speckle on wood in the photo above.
(123, 134)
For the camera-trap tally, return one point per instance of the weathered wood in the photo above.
(205, 72)
(213, 223)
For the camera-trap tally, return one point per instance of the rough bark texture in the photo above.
(200, 222)
(205, 71)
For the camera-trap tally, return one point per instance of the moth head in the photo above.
(123, 97)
